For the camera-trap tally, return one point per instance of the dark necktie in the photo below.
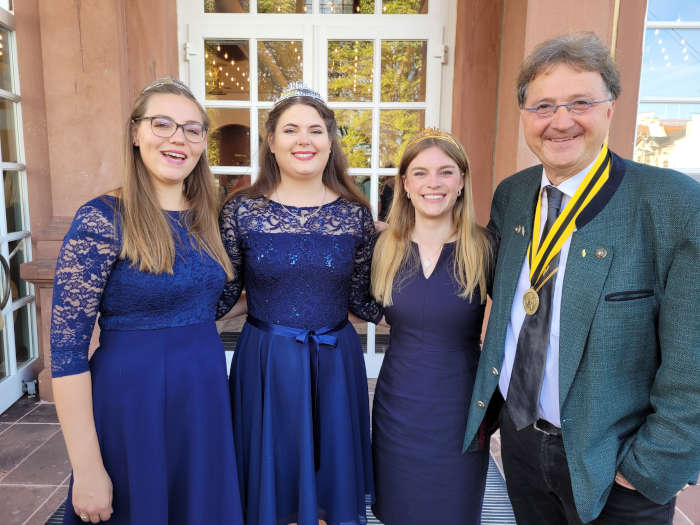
(531, 353)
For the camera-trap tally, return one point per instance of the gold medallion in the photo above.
(531, 301)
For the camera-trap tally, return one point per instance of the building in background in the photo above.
(387, 67)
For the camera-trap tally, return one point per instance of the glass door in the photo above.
(17, 321)
(379, 63)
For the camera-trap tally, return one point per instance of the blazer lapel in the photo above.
(588, 263)
(517, 232)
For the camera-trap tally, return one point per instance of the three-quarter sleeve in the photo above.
(361, 302)
(85, 261)
(230, 235)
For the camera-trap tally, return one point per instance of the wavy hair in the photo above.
(147, 237)
(473, 253)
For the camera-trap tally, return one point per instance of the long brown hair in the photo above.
(147, 237)
(335, 174)
(473, 252)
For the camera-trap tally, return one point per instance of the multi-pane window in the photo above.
(668, 120)
(17, 324)
(380, 71)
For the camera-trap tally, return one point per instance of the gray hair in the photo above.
(584, 52)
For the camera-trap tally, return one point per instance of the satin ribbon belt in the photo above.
(314, 339)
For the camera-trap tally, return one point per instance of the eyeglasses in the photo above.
(165, 128)
(578, 107)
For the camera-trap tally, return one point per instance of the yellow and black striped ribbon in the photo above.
(540, 255)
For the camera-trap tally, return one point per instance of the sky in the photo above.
(671, 60)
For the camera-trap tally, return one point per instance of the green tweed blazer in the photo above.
(629, 356)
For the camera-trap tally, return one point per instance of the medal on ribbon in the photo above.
(540, 252)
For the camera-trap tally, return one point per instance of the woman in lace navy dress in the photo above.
(147, 419)
(431, 272)
(300, 243)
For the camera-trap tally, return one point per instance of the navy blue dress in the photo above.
(160, 396)
(298, 382)
(420, 403)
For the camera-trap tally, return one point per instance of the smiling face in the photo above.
(168, 160)
(300, 143)
(433, 181)
(566, 142)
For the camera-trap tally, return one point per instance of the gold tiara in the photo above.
(298, 89)
(435, 133)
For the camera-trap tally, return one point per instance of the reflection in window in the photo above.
(403, 70)
(226, 6)
(227, 73)
(404, 7)
(668, 135)
(3, 362)
(229, 137)
(262, 120)
(386, 195)
(350, 70)
(671, 63)
(231, 183)
(8, 139)
(284, 6)
(673, 11)
(279, 64)
(13, 202)
(355, 128)
(396, 126)
(22, 321)
(347, 7)
(668, 118)
(5, 67)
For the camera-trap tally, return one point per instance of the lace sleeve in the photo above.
(361, 302)
(85, 261)
(230, 235)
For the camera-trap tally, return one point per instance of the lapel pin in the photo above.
(601, 253)
(519, 229)
(583, 252)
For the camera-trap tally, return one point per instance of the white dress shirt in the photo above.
(548, 407)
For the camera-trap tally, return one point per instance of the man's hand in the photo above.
(620, 480)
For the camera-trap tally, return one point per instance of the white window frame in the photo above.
(437, 27)
(11, 386)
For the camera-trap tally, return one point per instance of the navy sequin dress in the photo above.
(421, 399)
(160, 397)
(298, 382)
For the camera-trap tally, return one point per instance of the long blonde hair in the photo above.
(473, 253)
(147, 238)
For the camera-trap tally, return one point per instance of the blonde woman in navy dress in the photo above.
(300, 241)
(147, 419)
(430, 271)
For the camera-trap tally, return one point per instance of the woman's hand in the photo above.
(92, 494)
(380, 226)
(92, 487)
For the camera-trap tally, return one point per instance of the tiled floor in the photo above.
(34, 466)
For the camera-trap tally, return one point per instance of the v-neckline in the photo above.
(437, 262)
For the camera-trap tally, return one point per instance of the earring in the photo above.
(408, 196)
(459, 192)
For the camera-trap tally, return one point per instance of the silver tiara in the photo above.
(298, 89)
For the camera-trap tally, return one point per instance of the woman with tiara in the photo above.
(300, 240)
(147, 419)
(431, 272)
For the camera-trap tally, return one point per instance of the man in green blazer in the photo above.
(594, 334)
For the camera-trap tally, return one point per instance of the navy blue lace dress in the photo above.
(160, 397)
(298, 382)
